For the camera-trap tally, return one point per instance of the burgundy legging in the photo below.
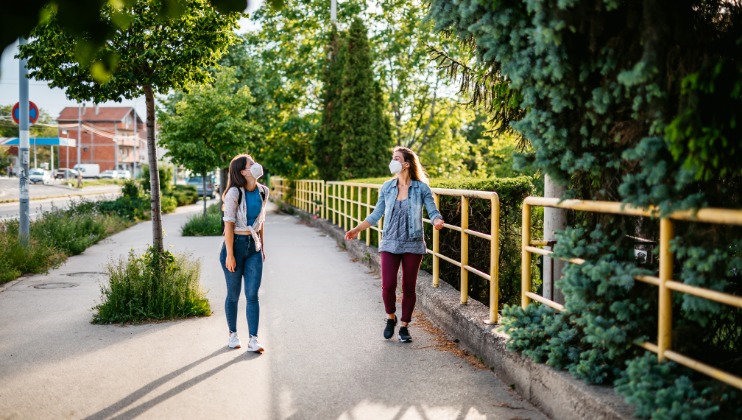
(389, 269)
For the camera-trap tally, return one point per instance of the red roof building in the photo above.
(113, 137)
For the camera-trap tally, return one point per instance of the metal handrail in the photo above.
(346, 204)
(664, 282)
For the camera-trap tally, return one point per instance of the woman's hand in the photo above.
(230, 263)
(438, 224)
(351, 234)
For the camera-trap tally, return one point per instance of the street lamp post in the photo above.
(24, 228)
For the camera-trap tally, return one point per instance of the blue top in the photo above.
(396, 237)
(419, 195)
(254, 204)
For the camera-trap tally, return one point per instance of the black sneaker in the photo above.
(404, 335)
(389, 329)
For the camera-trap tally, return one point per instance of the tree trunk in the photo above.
(154, 174)
(554, 220)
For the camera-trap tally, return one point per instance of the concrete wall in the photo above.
(556, 393)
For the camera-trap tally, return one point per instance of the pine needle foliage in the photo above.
(327, 144)
(364, 129)
(637, 102)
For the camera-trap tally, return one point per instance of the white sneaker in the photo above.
(254, 345)
(234, 341)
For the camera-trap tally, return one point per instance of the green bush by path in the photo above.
(184, 194)
(198, 225)
(151, 287)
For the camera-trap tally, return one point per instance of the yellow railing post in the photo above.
(324, 200)
(494, 259)
(336, 204)
(525, 257)
(358, 211)
(664, 333)
(345, 207)
(436, 248)
(464, 249)
(368, 211)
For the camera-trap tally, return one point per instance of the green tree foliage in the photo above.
(327, 144)
(204, 128)
(291, 44)
(636, 102)
(153, 55)
(82, 18)
(364, 128)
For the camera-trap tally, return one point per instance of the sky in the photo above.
(54, 100)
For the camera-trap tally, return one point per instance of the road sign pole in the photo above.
(25, 223)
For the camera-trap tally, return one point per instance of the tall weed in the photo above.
(149, 287)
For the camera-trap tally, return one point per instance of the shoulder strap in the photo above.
(239, 197)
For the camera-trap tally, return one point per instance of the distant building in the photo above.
(113, 137)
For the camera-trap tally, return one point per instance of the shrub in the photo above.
(184, 194)
(198, 225)
(75, 229)
(670, 391)
(511, 192)
(151, 286)
(168, 204)
(16, 260)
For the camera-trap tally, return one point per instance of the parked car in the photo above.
(197, 182)
(88, 170)
(40, 175)
(124, 174)
(109, 174)
(65, 173)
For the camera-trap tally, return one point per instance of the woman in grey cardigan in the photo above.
(401, 201)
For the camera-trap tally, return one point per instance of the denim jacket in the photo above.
(419, 194)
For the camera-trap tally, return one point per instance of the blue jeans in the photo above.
(250, 267)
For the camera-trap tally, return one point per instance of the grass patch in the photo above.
(198, 225)
(54, 236)
(151, 287)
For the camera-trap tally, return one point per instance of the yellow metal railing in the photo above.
(347, 204)
(664, 282)
(310, 196)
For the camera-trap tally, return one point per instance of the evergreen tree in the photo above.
(327, 144)
(364, 129)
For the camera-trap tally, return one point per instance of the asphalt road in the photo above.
(43, 197)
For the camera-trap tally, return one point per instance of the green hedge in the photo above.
(512, 192)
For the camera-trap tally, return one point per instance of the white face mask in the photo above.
(395, 167)
(256, 170)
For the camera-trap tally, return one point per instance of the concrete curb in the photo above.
(556, 393)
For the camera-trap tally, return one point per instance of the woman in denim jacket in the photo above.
(401, 201)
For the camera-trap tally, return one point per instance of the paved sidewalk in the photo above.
(321, 322)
